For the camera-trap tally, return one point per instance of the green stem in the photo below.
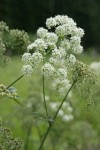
(39, 133)
(64, 100)
(45, 136)
(14, 81)
(27, 137)
(54, 118)
(44, 98)
(45, 105)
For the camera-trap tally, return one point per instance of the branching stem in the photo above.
(15, 81)
(54, 118)
(45, 105)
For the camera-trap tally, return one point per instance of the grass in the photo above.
(12, 71)
(8, 74)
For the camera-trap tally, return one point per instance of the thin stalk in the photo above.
(39, 133)
(63, 100)
(27, 137)
(45, 136)
(54, 118)
(15, 81)
(44, 98)
(45, 105)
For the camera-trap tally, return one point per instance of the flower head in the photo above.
(26, 58)
(37, 58)
(27, 70)
(55, 48)
(41, 32)
(48, 70)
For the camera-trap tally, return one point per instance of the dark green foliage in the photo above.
(18, 41)
(82, 133)
(12, 41)
(4, 29)
(7, 141)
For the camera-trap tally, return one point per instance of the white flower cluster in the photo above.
(48, 70)
(61, 73)
(56, 49)
(65, 113)
(36, 58)
(27, 70)
(66, 28)
(31, 61)
(26, 58)
(48, 37)
(95, 66)
(59, 20)
(58, 53)
(62, 86)
(38, 45)
(71, 59)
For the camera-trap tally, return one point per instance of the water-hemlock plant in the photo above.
(7, 141)
(12, 41)
(4, 29)
(9, 92)
(54, 54)
(18, 41)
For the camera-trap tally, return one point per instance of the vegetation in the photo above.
(57, 94)
(82, 132)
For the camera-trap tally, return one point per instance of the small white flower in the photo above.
(47, 98)
(67, 107)
(41, 32)
(61, 86)
(48, 70)
(27, 70)
(58, 53)
(51, 45)
(95, 66)
(62, 91)
(65, 112)
(66, 44)
(62, 52)
(31, 46)
(78, 32)
(26, 58)
(50, 22)
(53, 105)
(37, 58)
(75, 41)
(61, 73)
(60, 31)
(60, 19)
(78, 50)
(64, 82)
(61, 113)
(72, 59)
(54, 61)
(58, 84)
(67, 118)
(38, 45)
(51, 37)
(64, 30)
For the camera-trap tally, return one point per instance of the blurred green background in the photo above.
(80, 133)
